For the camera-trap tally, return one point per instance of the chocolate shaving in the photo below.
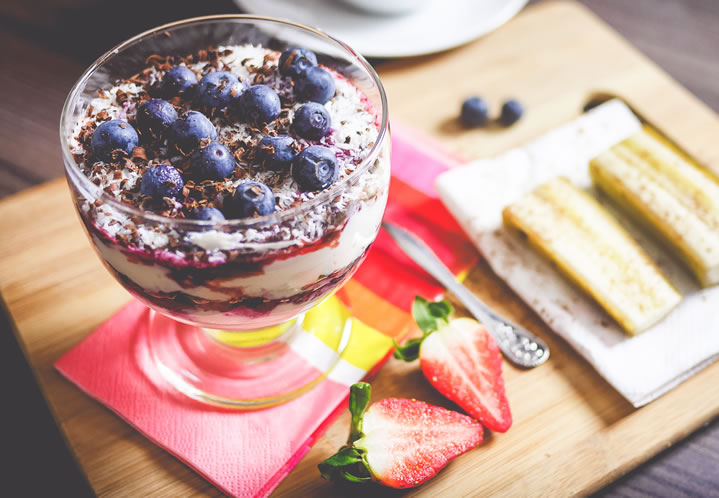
(146, 203)
(121, 97)
(157, 60)
(139, 153)
(130, 165)
(142, 77)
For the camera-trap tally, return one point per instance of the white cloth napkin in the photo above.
(641, 368)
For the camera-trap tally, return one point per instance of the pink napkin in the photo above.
(242, 453)
(233, 450)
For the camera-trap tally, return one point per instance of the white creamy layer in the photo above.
(282, 278)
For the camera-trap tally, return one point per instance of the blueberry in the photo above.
(511, 112)
(475, 112)
(259, 105)
(214, 162)
(207, 213)
(315, 168)
(161, 181)
(189, 129)
(155, 116)
(316, 85)
(312, 121)
(294, 61)
(111, 136)
(251, 198)
(178, 81)
(276, 152)
(219, 89)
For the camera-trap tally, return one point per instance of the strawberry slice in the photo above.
(461, 360)
(407, 442)
(398, 442)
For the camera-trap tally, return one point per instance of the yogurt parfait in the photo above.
(235, 185)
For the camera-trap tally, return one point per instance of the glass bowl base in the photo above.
(249, 370)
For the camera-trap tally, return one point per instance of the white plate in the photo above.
(438, 25)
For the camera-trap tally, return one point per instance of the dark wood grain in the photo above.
(681, 36)
(33, 89)
(46, 44)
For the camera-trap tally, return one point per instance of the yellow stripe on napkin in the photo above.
(366, 345)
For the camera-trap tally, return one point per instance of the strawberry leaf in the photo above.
(349, 464)
(410, 350)
(346, 465)
(422, 315)
(351, 478)
(441, 310)
(359, 399)
(430, 316)
(345, 456)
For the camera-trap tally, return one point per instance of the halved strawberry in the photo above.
(398, 442)
(461, 360)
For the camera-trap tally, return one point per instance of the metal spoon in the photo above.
(519, 346)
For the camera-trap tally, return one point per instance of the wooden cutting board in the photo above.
(572, 432)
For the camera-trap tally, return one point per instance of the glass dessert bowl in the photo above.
(231, 173)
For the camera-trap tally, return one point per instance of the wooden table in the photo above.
(48, 53)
